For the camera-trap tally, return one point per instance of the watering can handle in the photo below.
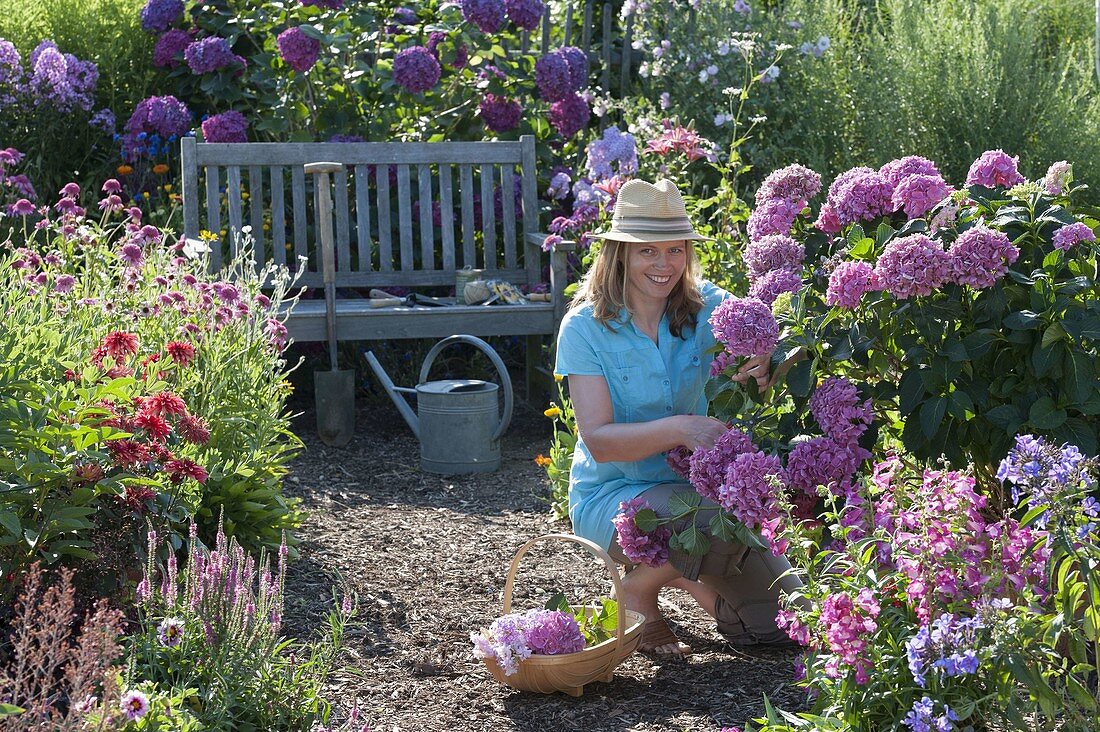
(505, 380)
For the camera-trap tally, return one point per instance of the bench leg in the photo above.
(538, 387)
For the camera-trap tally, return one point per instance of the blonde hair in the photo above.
(604, 288)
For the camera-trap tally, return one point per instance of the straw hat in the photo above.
(646, 212)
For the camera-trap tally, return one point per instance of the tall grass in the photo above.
(946, 79)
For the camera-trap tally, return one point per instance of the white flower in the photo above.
(783, 47)
(666, 102)
(192, 248)
(723, 48)
(758, 120)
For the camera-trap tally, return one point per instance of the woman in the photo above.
(634, 347)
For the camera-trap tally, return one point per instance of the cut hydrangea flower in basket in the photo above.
(560, 647)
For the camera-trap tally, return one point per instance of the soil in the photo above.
(427, 556)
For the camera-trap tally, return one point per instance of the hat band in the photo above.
(651, 224)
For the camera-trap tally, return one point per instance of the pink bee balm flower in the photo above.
(994, 168)
(847, 284)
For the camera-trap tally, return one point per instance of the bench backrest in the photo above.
(406, 214)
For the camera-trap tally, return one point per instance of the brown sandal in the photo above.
(655, 634)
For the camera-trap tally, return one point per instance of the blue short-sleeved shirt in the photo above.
(647, 381)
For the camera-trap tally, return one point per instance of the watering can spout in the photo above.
(398, 400)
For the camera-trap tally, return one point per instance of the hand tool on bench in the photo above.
(334, 390)
(383, 299)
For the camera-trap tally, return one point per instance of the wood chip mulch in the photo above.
(427, 556)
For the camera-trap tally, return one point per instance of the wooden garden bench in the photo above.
(391, 202)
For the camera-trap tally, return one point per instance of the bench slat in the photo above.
(427, 230)
(278, 215)
(411, 278)
(447, 218)
(214, 215)
(357, 153)
(404, 212)
(298, 196)
(508, 214)
(488, 217)
(236, 221)
(256, 212)
(466, 190)
(532, 253)
(362, 218)
(190, 188)
(382, 180)
(343, 226)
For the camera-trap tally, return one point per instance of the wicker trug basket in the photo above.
(569, 672)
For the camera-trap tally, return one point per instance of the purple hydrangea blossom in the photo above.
(1057, 178)
(896, 171)
(994, 168)
(981, 256)
(553, 77)
(578, 66)
(771, 252)
(165, 116)
(1070, 234)
(552, 632)
(837, 408)
(168, 53)
(158, 15)
(847, 284)
(559, 186)
(487, 15)
(919, 193)
(416, 70)
(795, 183)
(526, 14)
(679, 460)
(749, 487)
(613, 147)
(911, 265)
(499, 113)
(770, 285)
(707, 467)
(570, 115)
(228, 126)
(823, 461)
(827, 221)
(745, 326)
(210, 54)
(514, 637)
(860, 194)
(298, 50)
(774, 216)
(640, 547)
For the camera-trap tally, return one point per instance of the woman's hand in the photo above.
(756, 368)
(698, 432)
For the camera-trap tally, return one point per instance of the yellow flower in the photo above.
(124, 170)
(205, 235)
(287, 386)
(542, 461)
(168, 187)
(558, 377)
(553, 412)
(160, 169)
(244, 195)
(145, 195)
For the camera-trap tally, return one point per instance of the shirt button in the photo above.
(626, 378)
(668, 409)
(665, 382)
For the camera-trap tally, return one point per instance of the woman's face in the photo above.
(654, 268)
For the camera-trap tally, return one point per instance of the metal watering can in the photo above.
(458, 427)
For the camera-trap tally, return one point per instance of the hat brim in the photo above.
(647, 238)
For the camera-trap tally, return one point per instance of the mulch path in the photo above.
(428, 556)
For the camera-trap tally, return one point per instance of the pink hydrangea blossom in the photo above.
(827, 221)
(640, 547)
(774, 216)
(822, 461)
(911, 265)
(860, 194)
(918, 194)
(1070, 234)
(981, 256)
(708, 466)
(771, 285)
(994, 168)
(896, 171)
(1057, 177)
(795, 183)
(836, 406)
(771, 252)
(749, 487)
(847, 283)
(745, 326)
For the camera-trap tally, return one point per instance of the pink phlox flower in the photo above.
(994, 168)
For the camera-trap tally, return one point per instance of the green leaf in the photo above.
(646, 520)
(692, 541)
(910, 390)
(682, 503)
(955, 351)
(1080, 694)
(11, 523)
(978, 342)
(931, 415)
(1080, 376)
(558, 601)
(1052, 335)
(1046, 415)
(800, 378)
(10, 710)
(1043, 360)
(1008, 417)
(1023, 320)
(722, 527)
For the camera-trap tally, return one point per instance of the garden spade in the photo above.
(334, 390)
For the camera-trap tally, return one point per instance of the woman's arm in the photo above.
(609, 441)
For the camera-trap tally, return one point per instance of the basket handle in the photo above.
(593, 549)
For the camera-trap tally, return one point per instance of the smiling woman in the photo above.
(637, 359)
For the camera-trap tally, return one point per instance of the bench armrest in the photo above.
(537, 238)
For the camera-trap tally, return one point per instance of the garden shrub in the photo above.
(136, 387)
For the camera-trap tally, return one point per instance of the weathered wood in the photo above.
(466, 191)
(628, 34)
(404, 221)
(605, 78)
(362, 217)
(356, 153)
(569, 23)
(508, 214)
(532, 250)
(214, 216)
(488, 218)
(447, 217)
(406, 278)
(278, 214)
(586, 27)
(427, 230)
(545, 32)
(385, 240)
(256, 212)
(298, 207)
(236, 223)
(190, 188)
(343, 226)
